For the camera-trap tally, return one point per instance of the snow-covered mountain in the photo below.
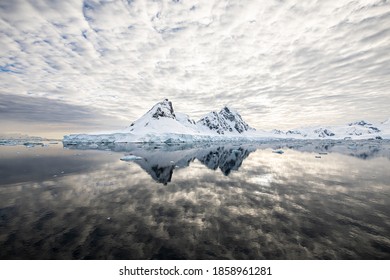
(227, 121)
(160, 119)
(163, 119)
(162, 124)
(355, 130)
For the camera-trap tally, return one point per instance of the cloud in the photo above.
(41, 109)
(31, 113)
(277, 62)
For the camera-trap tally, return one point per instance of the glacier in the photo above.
(161, 124)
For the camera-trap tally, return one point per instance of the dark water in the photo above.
(208, 202)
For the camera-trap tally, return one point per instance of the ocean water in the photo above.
(292, 200)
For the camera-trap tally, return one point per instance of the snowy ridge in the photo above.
(161, 124)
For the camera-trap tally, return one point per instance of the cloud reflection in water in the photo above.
(290, 206)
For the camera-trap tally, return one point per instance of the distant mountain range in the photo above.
(162, 124)
(356, 130)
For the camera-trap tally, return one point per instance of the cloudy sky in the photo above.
(71, 66)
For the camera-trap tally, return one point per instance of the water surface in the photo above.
(317, 200)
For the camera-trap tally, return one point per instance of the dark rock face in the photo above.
(361, 123)
(371, 129)
(322, 133)
(163, 110)
(293, 132)
(374, 129)
(277, 131)
(160, 113)
(227, 114)
(162, 174)
(239, 123)
(226, 159)
(215, 123)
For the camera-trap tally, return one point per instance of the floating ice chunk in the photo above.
(130, 158)
(33, 144)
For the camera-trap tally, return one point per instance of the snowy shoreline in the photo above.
(181, 138)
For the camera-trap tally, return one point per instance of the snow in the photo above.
(161, 124)
(359, 130)
(386, 122)
(227, 121)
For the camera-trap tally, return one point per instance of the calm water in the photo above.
(317, 200)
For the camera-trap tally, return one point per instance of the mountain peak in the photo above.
(227, 120)
(163, 109)
(361, 123)
(228, 109)
(229, 113)
(235, 119)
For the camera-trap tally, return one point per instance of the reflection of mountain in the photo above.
(160, 163)
(160, 160)
(227, 159)
(162, 174)
(359, 149)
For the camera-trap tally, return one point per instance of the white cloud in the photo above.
(280, 63)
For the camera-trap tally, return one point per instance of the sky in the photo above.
(81, 66)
